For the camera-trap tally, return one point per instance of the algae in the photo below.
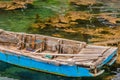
(62, 18)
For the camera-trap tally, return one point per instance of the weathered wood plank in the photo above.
(70, 55)
(87, 55)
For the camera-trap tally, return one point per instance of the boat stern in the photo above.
(110, 58)
(108, 61)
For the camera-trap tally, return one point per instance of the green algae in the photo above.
(20, 21)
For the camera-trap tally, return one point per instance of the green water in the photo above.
(18, 73)
(19, 21)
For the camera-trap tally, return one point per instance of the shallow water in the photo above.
(12, 72)
(19, 21)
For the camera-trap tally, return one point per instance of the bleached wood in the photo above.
(66, 52)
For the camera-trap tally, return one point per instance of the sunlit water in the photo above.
(19, 21)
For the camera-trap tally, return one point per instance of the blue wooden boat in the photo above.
(55, 55)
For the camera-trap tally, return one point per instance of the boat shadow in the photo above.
(19, 73)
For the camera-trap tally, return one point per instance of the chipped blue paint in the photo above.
(112, 61)
(23, 61)
(108, 59)
(65, 70)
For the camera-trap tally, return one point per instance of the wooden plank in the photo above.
(84, 63)
(96, 63)
(85, 57)
(70, 55)
(109, 52)
(74, 60)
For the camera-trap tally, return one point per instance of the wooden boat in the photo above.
(55, 55)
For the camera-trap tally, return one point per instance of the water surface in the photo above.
(19, 21)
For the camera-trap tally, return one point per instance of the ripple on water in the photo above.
(117, 76)
(6, 78)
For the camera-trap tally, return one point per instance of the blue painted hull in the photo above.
(64, 70)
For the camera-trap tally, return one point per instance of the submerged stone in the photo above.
(14, 4)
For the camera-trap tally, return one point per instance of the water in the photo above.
(117, 76)
(12, 72)
(19, 21)
(18, 73)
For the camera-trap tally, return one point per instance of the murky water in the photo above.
(19, 21)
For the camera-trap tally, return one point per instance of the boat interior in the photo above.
(53, 50)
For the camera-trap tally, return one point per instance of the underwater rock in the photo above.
(83, 2)
(14, 4)
(63, 21)
(113, 1)
(74, 15)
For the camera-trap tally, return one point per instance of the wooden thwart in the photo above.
(68, 55)
(53, 50)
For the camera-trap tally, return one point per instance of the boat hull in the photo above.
(64, 70)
